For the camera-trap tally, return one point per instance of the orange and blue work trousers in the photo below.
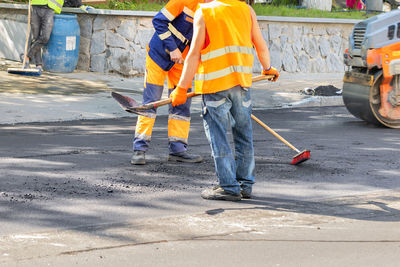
(179, 116)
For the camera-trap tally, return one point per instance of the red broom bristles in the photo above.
(301, 157)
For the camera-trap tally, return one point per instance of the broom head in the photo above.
(21, 71)
(301, 157)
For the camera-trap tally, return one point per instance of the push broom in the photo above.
(130, 105)
(26, 71)
(300, 157)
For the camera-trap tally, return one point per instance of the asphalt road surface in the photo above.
(69, 196)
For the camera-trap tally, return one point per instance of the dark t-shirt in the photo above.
(72, 3)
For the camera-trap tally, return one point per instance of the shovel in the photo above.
(130, 105)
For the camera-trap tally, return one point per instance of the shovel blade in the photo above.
(128, 104)
(125, 102)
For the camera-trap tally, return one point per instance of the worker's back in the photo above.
(227, 58)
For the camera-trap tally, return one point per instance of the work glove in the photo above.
(179, 96)
(86, 8)
(271, 71)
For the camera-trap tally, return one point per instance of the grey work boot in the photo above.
(138, 158)
(218, 193)
(185, 157)
(245, 194)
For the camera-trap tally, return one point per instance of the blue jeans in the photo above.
(221, 110)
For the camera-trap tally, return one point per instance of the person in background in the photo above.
(355, 4)
(78, 4)
(165, 56)
(42, 22)
(225, 32)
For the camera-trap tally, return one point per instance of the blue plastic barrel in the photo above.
(62, 51)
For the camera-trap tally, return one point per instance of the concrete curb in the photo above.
(86, 96)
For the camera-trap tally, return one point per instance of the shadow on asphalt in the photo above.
(350, 207)
(49, 84)
(75, 174)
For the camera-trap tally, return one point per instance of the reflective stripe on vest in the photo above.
(225, 50)
(224, 72)
(56, 5)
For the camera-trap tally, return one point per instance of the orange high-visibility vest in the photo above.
(227, 60)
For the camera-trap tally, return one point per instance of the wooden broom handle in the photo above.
(274, 133)
(28, 31)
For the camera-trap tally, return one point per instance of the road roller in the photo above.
(371, 83)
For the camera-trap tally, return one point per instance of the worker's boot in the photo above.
(185, 157)
(245, 190)
(218, 193)
(138, 157)
(245, 194)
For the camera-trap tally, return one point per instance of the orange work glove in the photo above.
(271, 71)
(179, 96)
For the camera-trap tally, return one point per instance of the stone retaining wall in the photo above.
(115, 41)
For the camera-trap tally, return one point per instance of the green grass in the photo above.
(130, 5)
(285, 11)
(281, 10)
(260, 9)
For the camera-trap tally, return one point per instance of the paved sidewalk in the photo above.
(86, 95)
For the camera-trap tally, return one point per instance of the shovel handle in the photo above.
(160, 103)
(167, 101)
(262, 77)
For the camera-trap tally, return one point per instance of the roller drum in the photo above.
(362, 98)
(356, 95)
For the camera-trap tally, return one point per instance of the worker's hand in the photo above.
(176, 56)
(271, 71)
(86, 8)
(179, 96)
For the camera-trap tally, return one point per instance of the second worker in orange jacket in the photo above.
(166, 52)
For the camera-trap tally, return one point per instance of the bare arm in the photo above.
(193, 58)
(259, 42)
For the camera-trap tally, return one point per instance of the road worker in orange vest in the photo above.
(225, 32)
(166, 52)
